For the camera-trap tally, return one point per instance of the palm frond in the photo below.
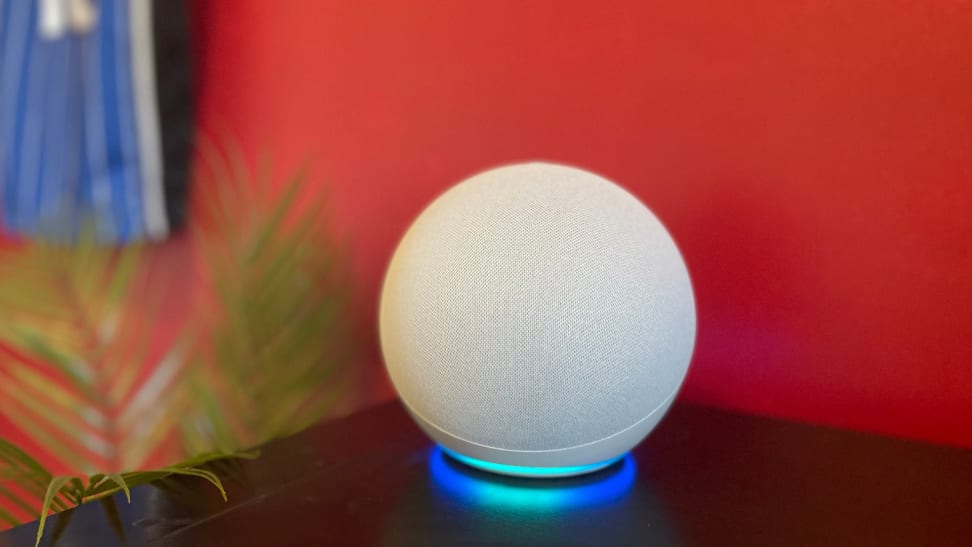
(107, 405)
(275, 347)
(75, 367)
(28, 491)
(23, 484)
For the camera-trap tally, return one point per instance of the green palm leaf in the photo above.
(23, 486)
(109, 404)
(274, 349)
(75, 367)
(29, 492)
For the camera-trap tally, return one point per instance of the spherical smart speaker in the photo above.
(537, 320)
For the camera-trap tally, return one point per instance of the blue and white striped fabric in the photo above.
(79, 123)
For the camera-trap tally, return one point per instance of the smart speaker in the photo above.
(537, 320)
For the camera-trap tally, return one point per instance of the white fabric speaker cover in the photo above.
(537, 315)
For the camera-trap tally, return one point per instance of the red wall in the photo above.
(812, 159)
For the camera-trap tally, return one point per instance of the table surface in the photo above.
(704, 477)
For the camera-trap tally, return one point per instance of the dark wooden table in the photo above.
(704, 477)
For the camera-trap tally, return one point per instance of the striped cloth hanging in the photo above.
(95, 117)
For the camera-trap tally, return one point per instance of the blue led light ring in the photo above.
(495, 492)
(527, 471)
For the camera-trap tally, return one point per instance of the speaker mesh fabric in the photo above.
(536, 307)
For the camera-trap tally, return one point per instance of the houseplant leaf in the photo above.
(76, 371)
(278, 336)
(108, 404)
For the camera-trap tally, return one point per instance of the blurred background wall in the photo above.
(812, 159)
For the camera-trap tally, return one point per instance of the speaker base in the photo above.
(530, 472)
(561, 462)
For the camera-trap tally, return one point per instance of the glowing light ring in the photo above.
(517, 494)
